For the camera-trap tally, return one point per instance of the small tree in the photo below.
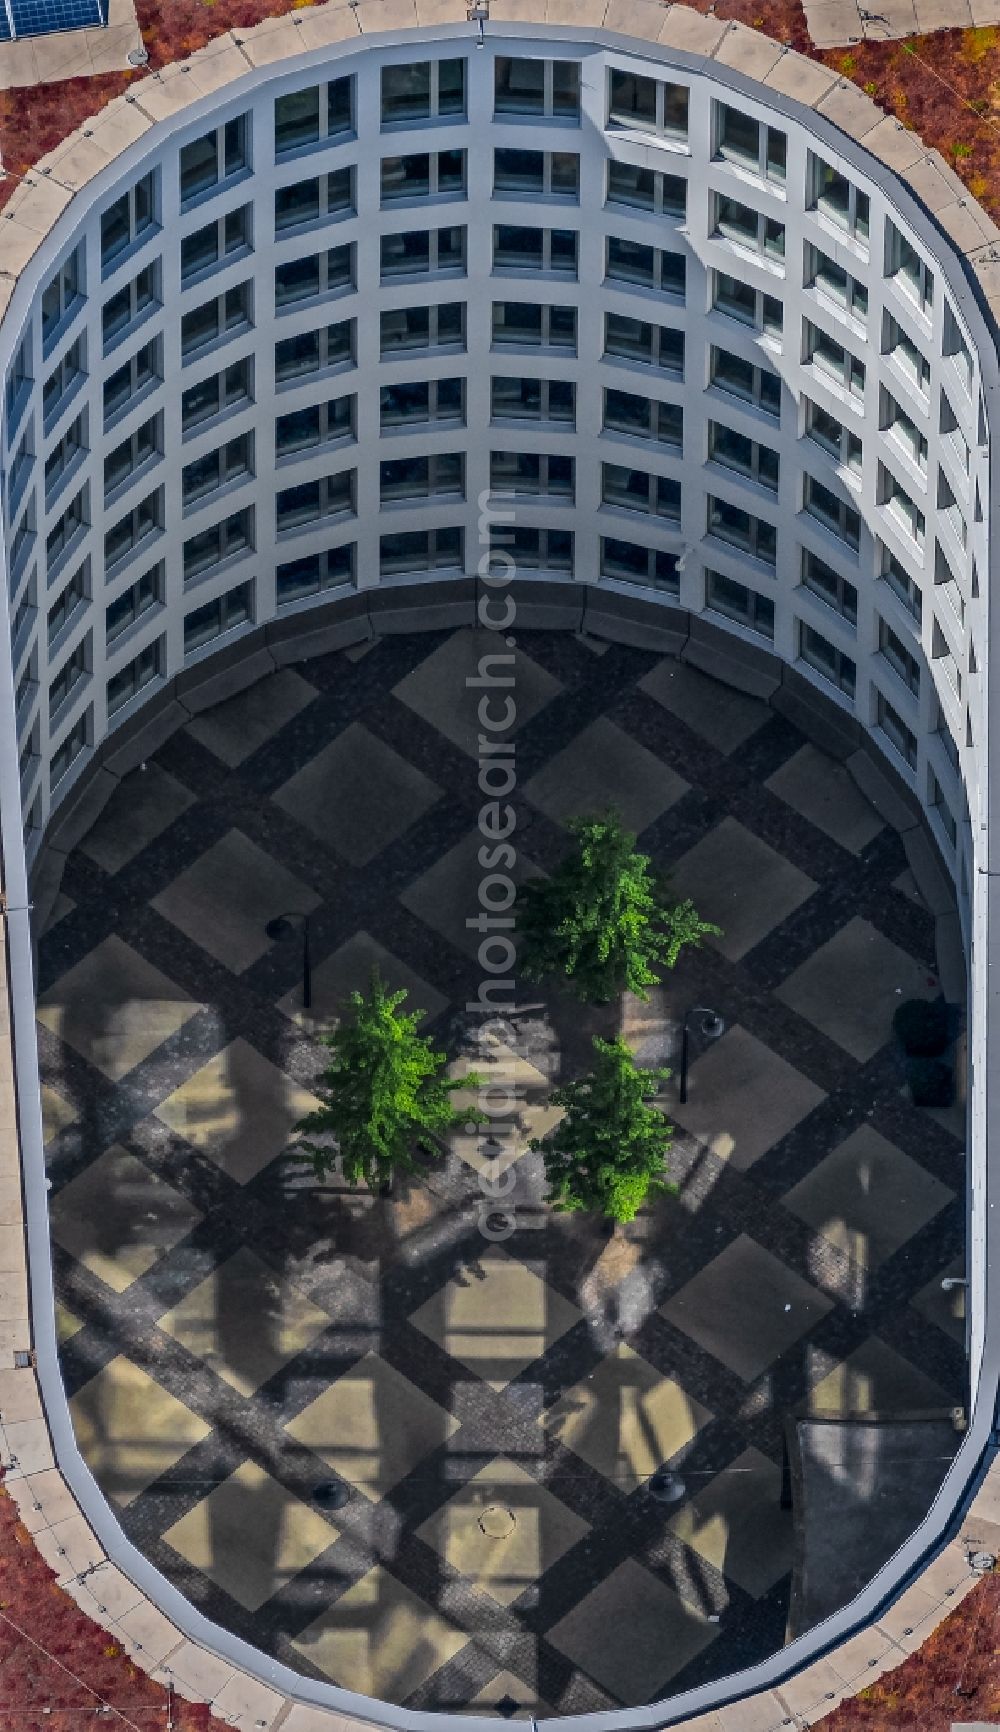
(601, 920)
(384, 1096)
(607, 1153)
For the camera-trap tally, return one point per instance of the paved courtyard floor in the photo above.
(235, 1334)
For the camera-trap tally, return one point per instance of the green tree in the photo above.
(601, 920)
(383, 1097)
(607, 1153)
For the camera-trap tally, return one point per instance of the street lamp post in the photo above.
(280, 927)
(710, 1025)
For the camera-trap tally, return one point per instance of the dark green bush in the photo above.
(932, 1083)
(923, 1026)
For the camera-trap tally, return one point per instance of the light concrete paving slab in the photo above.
(223, 902)
(740, 883)
(210, 1321)
(118, 1218)
(130, 1429)
(238, 1109)
(380, 1637)
(626, 1419)
(743, 1098)
(251, 1536)
(357, 795)
(824, 792)
(114, 1008)
(496, 1316)
(633, 1633)
(502, 1530)
(603, 770)
(746, 1308)
(867, 1197)
(372, 1426)
(851, 985)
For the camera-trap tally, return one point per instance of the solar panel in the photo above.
(39, 17)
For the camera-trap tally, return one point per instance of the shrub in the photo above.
(932, 1082)
(923, 1026)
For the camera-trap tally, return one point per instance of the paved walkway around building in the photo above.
(840, 23)
(234, 1334)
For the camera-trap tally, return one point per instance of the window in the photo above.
(956, 348)
(63, 457)
(127, 384)
(304, 118)
(408, 478)
(736, 601)
(319, 424)
(427, 174)
(144, 519)
(228, 539)
(536, 88)
(910, 360)
(130, 303)
(945, 664)
(907, 269)
(230, 389)
(134, 602)
(314, 572)
(128, 221)
(749, 144)
(27, 687)
(903, 431)
(896, 731)
(420, 251)
(648, 105)
(835, 284)
(23, 538)
(744, 227)
(424, 90)
(215, 321)
(21, 466)
(72, 524)
(835, 362)
(422, 550)
(24, 617)
(231, 463)
(533, 400)
(821, 580)
(65, 378)
(536, 174)
(942, 810)
(898, 579)
(222, 615)
(531, 549)
(130, 680)
(628, 262)
(634, 490)
(630, 563)
(315, 351)
(217, 243)
(635, 340)
(72, 672)
(70, 599)
(833, 437)
(312, 501)
(946, 584)
(757, 386)
(834, 514)
(897, 502)
(894, 651)
(533, 473)
(838, 200)
(208, 161)
(442, 326)
(949, 511)
(728, 523)
(303, 279)
(647, 189)
(65, 755)
(19, 383)
(526, 325)
(739, 300)
(519, 248)
(62, 296)
(133, 454)
(734, 450)
(644, 418)
(315, 200)
(951, 431)
(817, 652)
(422, 401)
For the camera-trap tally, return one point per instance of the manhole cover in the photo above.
(497, 1521)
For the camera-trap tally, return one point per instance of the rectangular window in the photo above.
(224, 614)
(522, 324)
(130, 304)
(896, 731)
(408, 478)
(757, 386)
(136, 526)
(946, 585)
(229, 237)
(133, 454)
(905, 354)
(956, 349)
(67, 604)
(314, 572)
(536, 174)
(942, 809)
(22, 539)
(647, 189)
(901, 508)
(127, 384)
(836, 363)
(744, 227)
(905, 587)
(648, 105)
(423, 90)
(749, 144)
(951, 430)
(206, 163)
(129, 220)
(949, 510)
(422, 401)
(440, 327)
(649, 267)
(314, 501)
(426, 174)
(628, 562)
(22, 463)
(535, 549)
(644, 418)
(62, 458)
(66, 754)
(752, 536)
(226, 540)
(230, 463)
(19, 383)
(635, 490)
(818, 653)
(833, 437)
(738, 300)
(894, 651)
(318, 424)
(905, 267)
(532, 472)
(134, 602)
(533, 400)
(230, 389)
(319, 199)
(130, 680)
(62, 297)
(536, 89)
(835, 284)
(821, 580)
(834, 514)
(67, 529)
(732, 450)
(305, 279)
(420, 252)
(839, 200)
(635, 340)
(216, 321)
(736, 601)
(306, 118)
(903, 431)
(516, 247)
(422, 550)
(70, 675)
(65, 378)
(327, 349)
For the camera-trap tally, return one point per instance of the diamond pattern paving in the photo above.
(236, 1334)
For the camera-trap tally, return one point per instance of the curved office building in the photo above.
(280, 321)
